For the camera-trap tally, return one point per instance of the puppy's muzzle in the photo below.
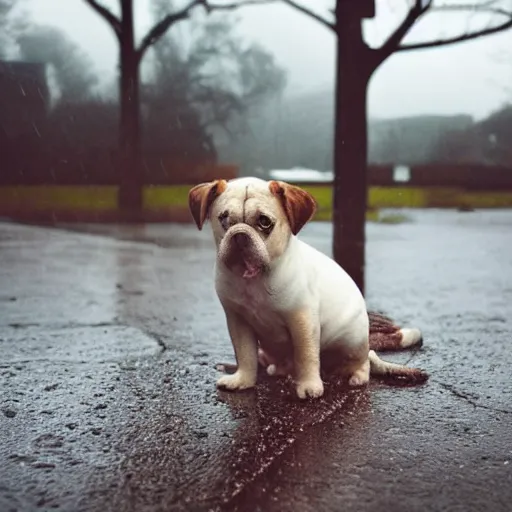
(242, 240)
(242, 250)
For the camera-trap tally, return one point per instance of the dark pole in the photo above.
(130, 168)
(353, 72)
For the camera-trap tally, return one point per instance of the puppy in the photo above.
(288, 306)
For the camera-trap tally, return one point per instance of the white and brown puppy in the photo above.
(287, 305)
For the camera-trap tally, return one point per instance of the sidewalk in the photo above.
(108, 344)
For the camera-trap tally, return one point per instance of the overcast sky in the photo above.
(467, 78)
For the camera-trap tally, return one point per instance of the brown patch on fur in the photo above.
(201, 197)
(408, 376)
(384, 333)
(384, 342)
(306, 353)
(299, 205)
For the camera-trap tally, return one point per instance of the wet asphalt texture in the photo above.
(109, 336)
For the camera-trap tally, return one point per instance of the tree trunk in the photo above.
(130, 161)
(350, 147)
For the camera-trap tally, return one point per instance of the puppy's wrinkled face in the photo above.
(252, 220)
(250, 227)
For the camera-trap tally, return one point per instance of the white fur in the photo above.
(302, 279)
(301, 304)
(410, 337)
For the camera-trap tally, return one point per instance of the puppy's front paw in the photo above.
(361, 376)
(237, 381)
(358, 380)
(310, 388)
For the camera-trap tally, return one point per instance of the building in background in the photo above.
(24, 104)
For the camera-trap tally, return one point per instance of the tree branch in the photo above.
(233, 5)
(393, 41)
(105, 13)
(160, 28)
(468, 36)
(310, 13)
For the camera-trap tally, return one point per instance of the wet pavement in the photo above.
(108, 346)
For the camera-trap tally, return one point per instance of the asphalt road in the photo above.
(108, 345)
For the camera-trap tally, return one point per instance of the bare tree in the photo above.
(356, 63)
(130, 57)
(215, 80)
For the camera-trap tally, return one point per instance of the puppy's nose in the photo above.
(241, 239)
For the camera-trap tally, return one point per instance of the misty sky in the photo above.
(469, 78)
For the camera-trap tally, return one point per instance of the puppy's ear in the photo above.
(298, 204)
(201, 197)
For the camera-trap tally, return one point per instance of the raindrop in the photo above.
(38, 133)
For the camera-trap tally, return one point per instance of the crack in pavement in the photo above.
(467, 398)
(71, 325)
(9, 364)
(158, 339)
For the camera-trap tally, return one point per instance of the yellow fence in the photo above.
(175, 198)
(58, 198)
(416, 197)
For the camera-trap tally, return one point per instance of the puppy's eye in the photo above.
(265, 223)
(224, 220)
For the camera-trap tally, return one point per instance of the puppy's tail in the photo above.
(386, 335)
(395, 371)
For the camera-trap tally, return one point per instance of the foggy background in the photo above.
(437, 105)
(470, 78)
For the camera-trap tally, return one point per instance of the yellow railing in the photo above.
(104, 198)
